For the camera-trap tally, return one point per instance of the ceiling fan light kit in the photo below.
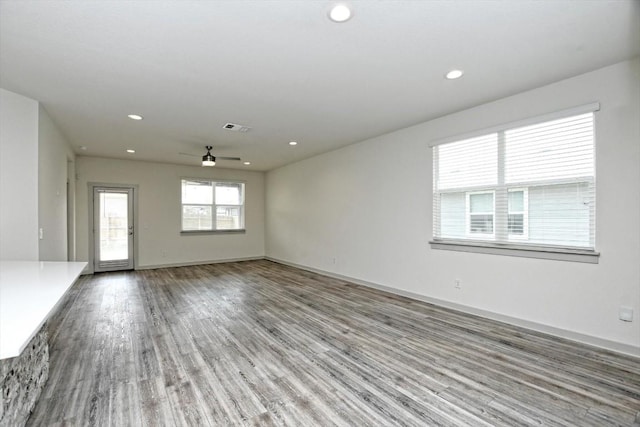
(208, 159)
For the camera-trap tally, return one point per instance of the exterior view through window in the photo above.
(530, 185)
(212, 205)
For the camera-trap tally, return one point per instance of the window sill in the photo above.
(206, 232)
(541, 252)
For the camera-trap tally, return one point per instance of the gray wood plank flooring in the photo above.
(259, 343)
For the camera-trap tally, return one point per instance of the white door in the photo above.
(113, 228)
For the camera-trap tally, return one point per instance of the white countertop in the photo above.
(29, 292)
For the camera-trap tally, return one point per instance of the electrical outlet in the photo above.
(456, 284)
(625, 314)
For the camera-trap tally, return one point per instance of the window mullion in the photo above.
(501, 198)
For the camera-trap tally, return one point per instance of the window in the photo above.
(480, 214)
(212, 205)
(531, 185)
(518, 213)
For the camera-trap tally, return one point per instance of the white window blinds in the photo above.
(525, 185)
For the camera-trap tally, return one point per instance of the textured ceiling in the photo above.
(285, 70)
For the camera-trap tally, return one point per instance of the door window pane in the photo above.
(113, 219)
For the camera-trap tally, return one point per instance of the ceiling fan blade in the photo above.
(188, 154)
(217, 157)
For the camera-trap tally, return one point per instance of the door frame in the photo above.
(91, 219)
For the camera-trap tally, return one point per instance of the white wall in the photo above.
(54, 159)
(158, 234)
(364, 212)
(18, 177)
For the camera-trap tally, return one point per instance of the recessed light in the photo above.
(340, 13)
(131, 151)
(454, 74)
(293, 143)
(135, 117)
(247, 163)
(83, 148)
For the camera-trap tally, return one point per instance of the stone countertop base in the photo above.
(22, 379)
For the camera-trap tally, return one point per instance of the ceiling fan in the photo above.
(209, 159)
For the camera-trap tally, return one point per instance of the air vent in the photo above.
(236, 127)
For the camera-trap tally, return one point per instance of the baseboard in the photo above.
(615, 346)
(88, 270)
(191, 263)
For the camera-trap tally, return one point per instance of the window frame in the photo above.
(214, 207)
(512, 246)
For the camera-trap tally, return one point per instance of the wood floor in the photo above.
(258, 343)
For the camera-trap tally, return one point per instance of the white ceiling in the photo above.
(285, 70)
